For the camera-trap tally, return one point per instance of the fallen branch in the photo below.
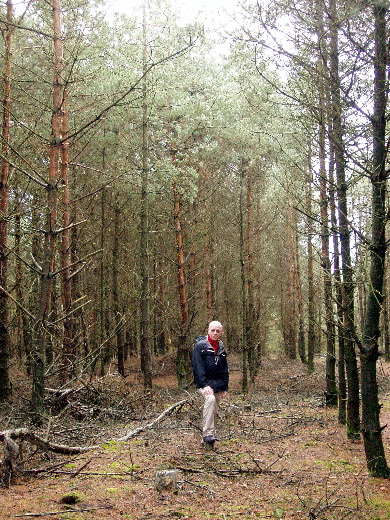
(85, 473)
(24, 434)
(52, 513)
(175, 407)
(50, 469)
(229, 473)
(77, 472)
(11, 464)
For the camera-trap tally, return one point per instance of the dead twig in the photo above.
(50, 469)
(87, 473)
(201, 486)
(81, 468)
(53, 513)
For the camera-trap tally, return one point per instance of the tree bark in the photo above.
(342, 384)
(5, 385)
(253, 351)
(386, 314)
(115, 295)
(183, 349)
(298, 291)
(103, 333)
(146, 358)
(160, 341)
(337, 135)
(208, 280)
(371, 428)
(244, 282)
(68, 347)
(331, 383)
(310, 273)
(289, 294)
(37, 398)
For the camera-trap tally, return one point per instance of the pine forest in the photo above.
(160, 171)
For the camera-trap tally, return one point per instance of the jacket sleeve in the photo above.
(198, 367)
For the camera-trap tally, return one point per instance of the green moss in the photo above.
(72, 498)
(336, 465)
(70, 465)
(112, 445)
(382, 503)
(113, 490)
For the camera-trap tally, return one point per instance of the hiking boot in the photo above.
(209, 441)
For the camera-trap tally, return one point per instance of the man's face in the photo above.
(215, 331)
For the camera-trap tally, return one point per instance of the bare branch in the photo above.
(17, 303)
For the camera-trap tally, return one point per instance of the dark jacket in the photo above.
(210, 369)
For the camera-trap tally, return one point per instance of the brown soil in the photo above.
(281, 454)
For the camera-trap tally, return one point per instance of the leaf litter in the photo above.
(281, 452)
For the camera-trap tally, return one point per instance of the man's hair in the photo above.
(214, 322)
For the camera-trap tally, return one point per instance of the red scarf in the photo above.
(214, 343)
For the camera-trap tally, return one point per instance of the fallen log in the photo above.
(175, 407)
(11, 465)
(65, 511)
(25, 434)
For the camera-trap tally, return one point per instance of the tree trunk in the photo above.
(253, 353)
(353, 416)
(208, 280)
(192, 278)
(160, 329)
(386, 314)
(288, 305)
(21, 316)
(371, 428)
(342, 384)
(79, 334)
(68, 347)
(104, 353)
(292, 298)
(297, 290)
(5, 386)
(146, 358)
(38, 381)
(331, 383)
(244, 282)
(261, 304)
(183, 368)
(115, 295)
(323, 82)
(311, 337)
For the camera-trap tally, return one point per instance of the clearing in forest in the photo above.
(281, 453)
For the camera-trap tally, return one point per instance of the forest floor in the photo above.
(281, 453)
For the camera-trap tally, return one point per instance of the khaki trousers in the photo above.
(210, 411)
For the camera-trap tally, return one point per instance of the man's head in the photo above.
(215, 330)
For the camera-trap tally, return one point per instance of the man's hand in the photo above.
(207, 390)
(223, 394)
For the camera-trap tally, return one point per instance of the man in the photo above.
(211, 376)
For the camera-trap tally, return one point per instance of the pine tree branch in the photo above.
(128, 91)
